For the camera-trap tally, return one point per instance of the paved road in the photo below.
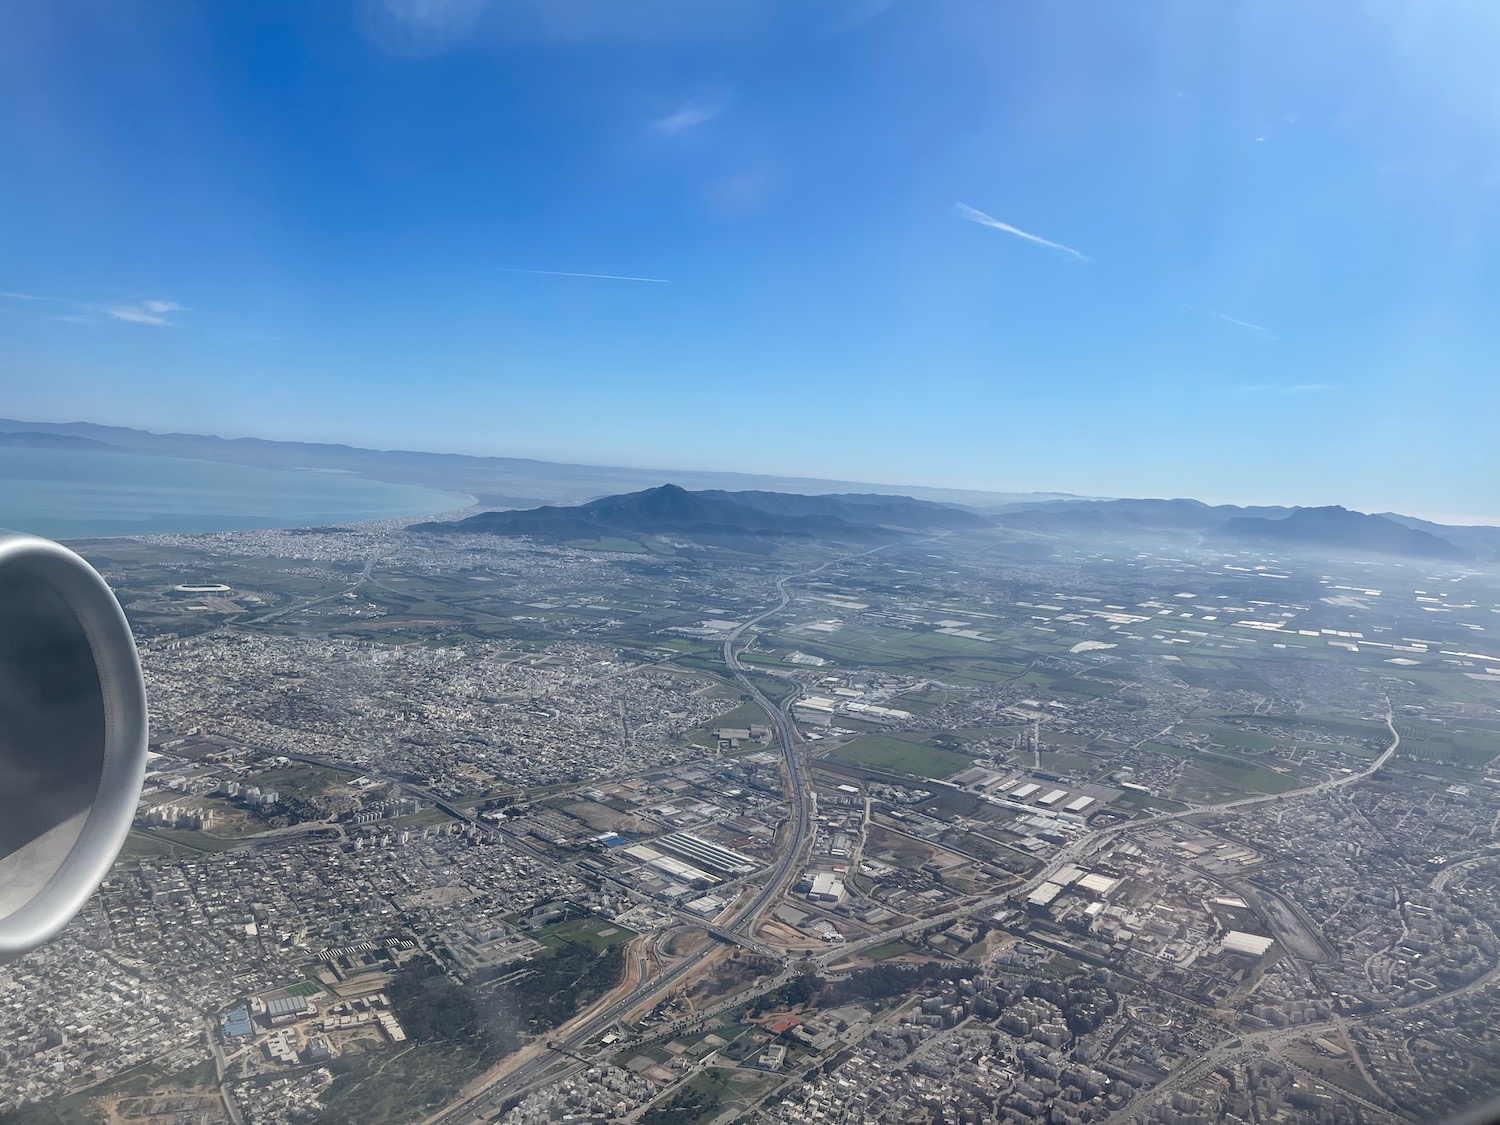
(1193, 1075)
(221, 1071)
(1075, 850)
(741, 924)
(487, 1102)
(308, 603)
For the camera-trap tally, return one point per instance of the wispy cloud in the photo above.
(597, 276)
(144, 312)
(1274, 389)
(974, 215)
(153, 311)
(417, 28)
(863, 11)
(694, 111)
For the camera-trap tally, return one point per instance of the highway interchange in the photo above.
(562, 1053)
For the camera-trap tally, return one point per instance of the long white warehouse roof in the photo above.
(1237, 941)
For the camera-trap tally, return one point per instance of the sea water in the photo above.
(68, 494)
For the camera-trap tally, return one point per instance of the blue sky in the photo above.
(1244, 252)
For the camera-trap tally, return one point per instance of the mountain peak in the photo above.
(725, 518)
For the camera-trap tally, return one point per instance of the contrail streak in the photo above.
(974, 215)
(599, 276)
(1236, 320)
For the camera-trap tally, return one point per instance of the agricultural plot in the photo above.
(1230, 736)
(1453, 686)
(609, 543)
(901, 755)
(910, 649)
(1218, 674)
(1428, 742)
(1163, 748)
(1070, 685)
(1247, 775)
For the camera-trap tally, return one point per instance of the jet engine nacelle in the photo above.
(72, 736)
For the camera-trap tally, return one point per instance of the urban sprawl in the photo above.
(975, 829)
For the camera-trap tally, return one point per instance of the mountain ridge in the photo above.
(528, 484)
(34, 439)
(716, 517)
(1336, 526)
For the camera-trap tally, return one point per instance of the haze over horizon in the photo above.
(1242, 255)
(698, 477)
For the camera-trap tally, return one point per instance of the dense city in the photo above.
(974, 828)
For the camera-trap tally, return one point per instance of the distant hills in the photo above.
(742, 520)
(1332, 528)
(499, 482)
(585, 501)
(1476, 539)
(865, 509)
(1325, 528)
(758, 520)
(1338, 527)
(31, 439)
(1126, 515)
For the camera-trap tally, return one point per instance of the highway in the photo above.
(740, 927)
(789, 738)
(1075, 850)
(564, 1051)
(800, 820)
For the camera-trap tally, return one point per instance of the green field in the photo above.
(888, 752)
(589, 931)
(1231, 736)
(889, 949)
(608, 543)
(1146, 802)
(979, 672)
(302, 781)
(1163, 748)
(188, 838)
(884, 647)
(1070, 685)
(710, 1093)
(1454, 686)
(774, 688)
(139, 845)
(1068, 763)
(423, 819)
(742, 716)
(1245, 775)
(1472, 749)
